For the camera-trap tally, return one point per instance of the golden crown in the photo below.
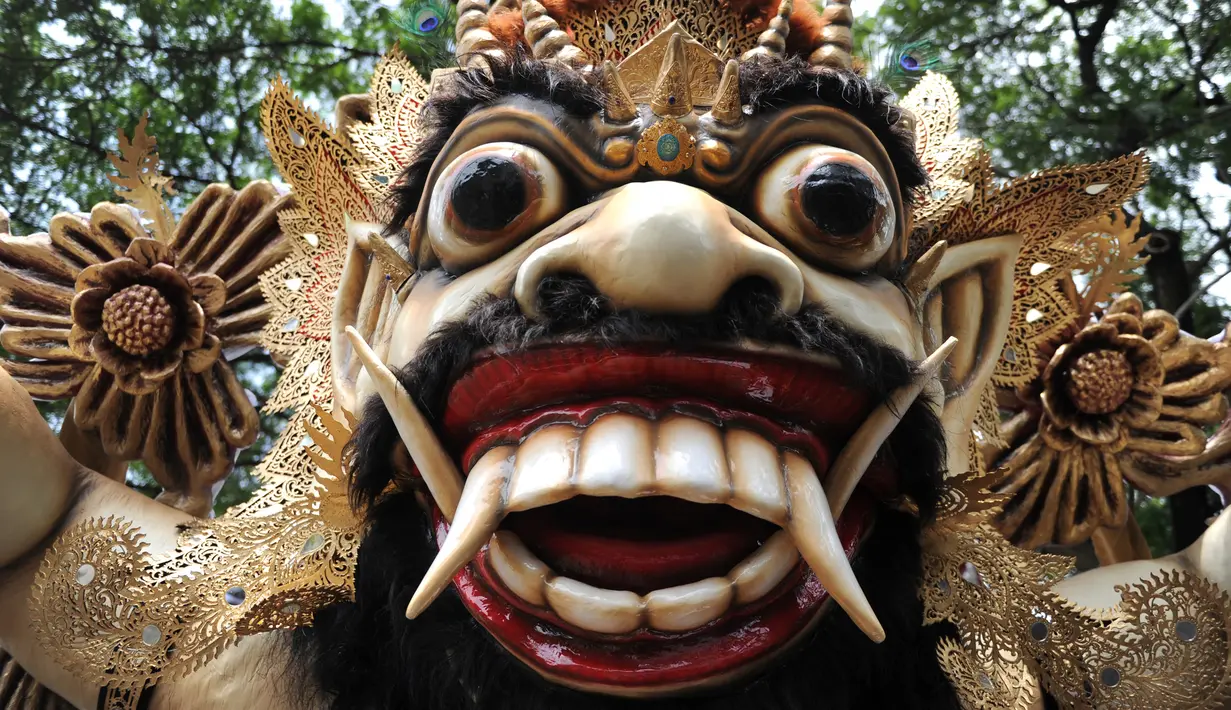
(585, 36)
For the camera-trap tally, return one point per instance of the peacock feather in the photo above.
(428, 25)
(900, 65)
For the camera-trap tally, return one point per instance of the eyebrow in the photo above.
(766, 85)
(777, 84)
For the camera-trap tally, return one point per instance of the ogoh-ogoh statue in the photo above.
(654, 356)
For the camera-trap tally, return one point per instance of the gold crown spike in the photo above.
(772, 42)
(672, 94)
(641, 70)
(545, 37)
(619, 106)
(728, 110)
(837, 39)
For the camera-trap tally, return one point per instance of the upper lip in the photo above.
(789, 390)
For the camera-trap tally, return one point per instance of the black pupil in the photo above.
(489, 193)
(840, 199)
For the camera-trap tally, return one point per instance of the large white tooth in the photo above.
(516, 566)
(689, 461)
(756, 473)
(601, 610)
(688, 606)
(478, 515)
(812, 528)
(434, 463)
(764, 569)
(616, 457)
(544, 468)
(848, 469)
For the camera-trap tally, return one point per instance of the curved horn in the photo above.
(772, 42)
(546, 38)
(473, 38)
(837, 39)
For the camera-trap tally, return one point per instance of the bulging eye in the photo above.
(829, 204)
(490, 197)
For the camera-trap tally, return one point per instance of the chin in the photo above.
(654, 522)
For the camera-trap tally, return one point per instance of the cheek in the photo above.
(414, 319)
(871, 305)
(437, 299)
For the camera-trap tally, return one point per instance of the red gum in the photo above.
(515, 431)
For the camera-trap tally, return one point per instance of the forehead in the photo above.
(601, 153)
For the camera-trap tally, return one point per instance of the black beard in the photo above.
(366, 655)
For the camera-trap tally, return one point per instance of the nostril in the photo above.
(752, 299)
(570, 300)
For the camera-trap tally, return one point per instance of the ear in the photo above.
(969, 297)
(367, 300)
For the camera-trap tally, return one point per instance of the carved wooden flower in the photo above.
(143, 320)
(136, 329)
(1102, 382)
(1125, 400)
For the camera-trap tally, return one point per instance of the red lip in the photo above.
(787, 390)
(798, 404)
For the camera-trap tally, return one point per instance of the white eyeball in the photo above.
(829, 204)
(488, 199)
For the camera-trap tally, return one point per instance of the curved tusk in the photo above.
(858, 453)
(434, 464)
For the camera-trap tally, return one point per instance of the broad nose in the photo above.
(660, 247)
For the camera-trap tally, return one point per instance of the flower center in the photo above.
(1100, 381)
(138, 320)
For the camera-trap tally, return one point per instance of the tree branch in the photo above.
(1200, 293)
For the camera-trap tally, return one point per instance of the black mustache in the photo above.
(573, 311)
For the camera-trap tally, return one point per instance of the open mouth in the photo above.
(639, 521)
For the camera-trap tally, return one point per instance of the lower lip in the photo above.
(651, 662)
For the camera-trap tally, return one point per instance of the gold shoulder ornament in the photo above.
(1165, 645)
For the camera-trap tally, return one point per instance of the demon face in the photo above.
(665, 368)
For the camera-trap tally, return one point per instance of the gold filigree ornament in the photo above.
(666, 147)
(343, 186)
(388, 142)
(324, 172)
(137, 327)
(1165, 645)
(114, 615)
(614, 30)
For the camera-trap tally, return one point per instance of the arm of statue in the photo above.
(42, 492)
(1209, 557)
